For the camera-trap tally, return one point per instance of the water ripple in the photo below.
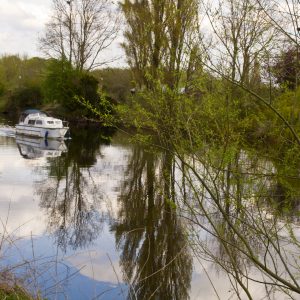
(7, 131)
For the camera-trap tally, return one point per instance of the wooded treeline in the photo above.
(52, 85)
(228, 57)
(227, 50)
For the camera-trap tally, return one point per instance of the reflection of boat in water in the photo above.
(31, 148)
(36, 123)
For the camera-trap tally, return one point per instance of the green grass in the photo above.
(13, 293)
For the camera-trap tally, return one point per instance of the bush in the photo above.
(2, 89)
(30, 96)
(287, 68)
(60, 83)
(75, 91)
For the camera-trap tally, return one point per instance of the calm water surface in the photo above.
(61, 213)
(84, 219)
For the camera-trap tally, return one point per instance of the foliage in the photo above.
(17, 72)
(26, 97)
(288, 103)
(115, 82)
(20, 82)
(71, 89)
(88, 88)
(240, 27)
(159, 38)
(60, 82)
(15, 292)
(10, 70)
(205, 113)
(286, 69)
(207, 134)
(2, 89)
(104, 111)
(50, 84)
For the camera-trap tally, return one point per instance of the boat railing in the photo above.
(65, 123)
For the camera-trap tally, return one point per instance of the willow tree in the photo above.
(158, 38)
(79, 31)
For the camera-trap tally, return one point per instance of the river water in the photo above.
(83, 219)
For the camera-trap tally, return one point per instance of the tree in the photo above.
(115, 82)
(285, 17)
(16, 72)
(11, 67)
(79, 30)
(2, 88)
(25, 97)
(20, 81)
(63, 83)
(242, 36)
(287, 68)
(156, 38)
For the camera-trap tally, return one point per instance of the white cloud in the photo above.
(20, 22)
(100, 263)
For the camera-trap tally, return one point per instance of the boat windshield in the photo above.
(31, 122)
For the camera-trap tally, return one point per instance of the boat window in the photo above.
(50, 122)
(38, 122)
(31, 122)
(57, 122)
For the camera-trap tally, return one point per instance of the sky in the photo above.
(23, 21)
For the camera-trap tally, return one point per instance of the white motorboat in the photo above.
(36, 123)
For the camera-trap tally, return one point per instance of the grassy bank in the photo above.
(13, 293)
(12, 289)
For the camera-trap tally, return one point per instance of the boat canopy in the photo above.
(33, 111)
(27, 112)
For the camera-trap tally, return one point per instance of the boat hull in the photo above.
(42, 132)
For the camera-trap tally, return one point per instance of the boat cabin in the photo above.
(36, 123)
(28, 112)
(45, 122)
(36, 118)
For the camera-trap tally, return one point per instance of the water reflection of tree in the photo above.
(229, 198)
(155, 258)
(70, 195)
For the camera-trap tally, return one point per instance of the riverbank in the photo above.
(12, 289)
(13, 293)
(53, 110)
